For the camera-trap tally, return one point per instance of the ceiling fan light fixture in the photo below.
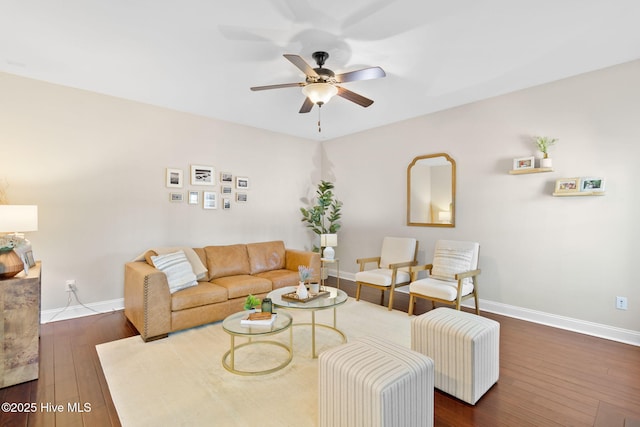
(319, 93)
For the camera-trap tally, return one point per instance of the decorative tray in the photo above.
(292, 296)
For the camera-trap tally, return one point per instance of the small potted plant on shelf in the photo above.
(543, 143)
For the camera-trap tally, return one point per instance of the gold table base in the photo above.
(230, 366)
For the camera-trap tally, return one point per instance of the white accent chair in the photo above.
(397, 253)
(452, 275)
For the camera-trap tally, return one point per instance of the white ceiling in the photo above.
(201, 56)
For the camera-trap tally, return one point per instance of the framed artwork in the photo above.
(174, 178)
(592, 184)
(241, 197)
(226, 177)
(567, 185)
(226, 189)
(226, 203)
(242, 182)
(176, 197)
(524, 163)
(194, 197)
(202, 175)
(210, 200)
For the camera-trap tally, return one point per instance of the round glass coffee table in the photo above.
(235, 328)
(333, 299)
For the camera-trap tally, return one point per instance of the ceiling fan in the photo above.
(321, 84)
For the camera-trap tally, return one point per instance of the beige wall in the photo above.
(95, 166)
(564, 256)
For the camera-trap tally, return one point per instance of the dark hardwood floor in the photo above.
(548, 377)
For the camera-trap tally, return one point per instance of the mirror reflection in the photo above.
(431, 190)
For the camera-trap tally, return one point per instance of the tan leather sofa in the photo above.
(234, 271)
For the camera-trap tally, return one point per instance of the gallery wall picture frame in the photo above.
(242, 183)
(592, 184)
(226, 203)
(194, 197)
(203, 175)
(209, 200)
(174, 178)
(226, 189)
(567, 185)
(176, 197)
(226, 177)
(241, 197)
(524, 163)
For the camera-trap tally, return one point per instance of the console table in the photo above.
(20, 327)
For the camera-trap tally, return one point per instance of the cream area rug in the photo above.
(180, 380)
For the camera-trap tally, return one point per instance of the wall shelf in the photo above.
(532, 170)
(580, 193)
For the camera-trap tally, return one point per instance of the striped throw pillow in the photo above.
(448, 262)
(177, 268)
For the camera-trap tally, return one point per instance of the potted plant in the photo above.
(324, 216)
(543, 143)
(251, 302)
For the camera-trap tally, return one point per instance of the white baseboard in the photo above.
(626, 336)
(80, 310)
(613, 333)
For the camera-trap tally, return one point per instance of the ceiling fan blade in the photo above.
(354, 97)
(301, 64)
(277, 86)
(364, 74)
(307, 105)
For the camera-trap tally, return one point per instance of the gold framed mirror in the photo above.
(431, 191)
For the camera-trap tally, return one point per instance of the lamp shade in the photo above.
(328, 240)
(18, 218)
(319, 93)
(444, 216)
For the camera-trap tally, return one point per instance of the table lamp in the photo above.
(15, 219)
(328, 241)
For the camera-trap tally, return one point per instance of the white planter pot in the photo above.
(546, 162)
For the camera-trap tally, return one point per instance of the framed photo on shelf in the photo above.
(176, 197)
(202, 175)
(592, 184)
(242, 183)
(209, 200)
(226, 177)
(567, 185)
(226, 203)
(226, 189)
(241, 197)
(194, 197)
(174, 178)
(524, 163)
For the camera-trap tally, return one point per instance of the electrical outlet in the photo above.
(70, 285)
(621, 303)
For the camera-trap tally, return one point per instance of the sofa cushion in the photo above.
(223, 261)
(177, 268)
(204, 293)
(266, 256)
(280, 278)
(242, 285)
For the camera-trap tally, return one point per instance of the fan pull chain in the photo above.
(319, 116)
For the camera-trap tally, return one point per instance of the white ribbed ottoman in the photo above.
(372, 382)
(465, 348)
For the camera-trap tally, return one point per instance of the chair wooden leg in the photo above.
(411, 303)
(391, 292)
(433, 304)
(475, 297)
(382, 297)
(358, 291)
